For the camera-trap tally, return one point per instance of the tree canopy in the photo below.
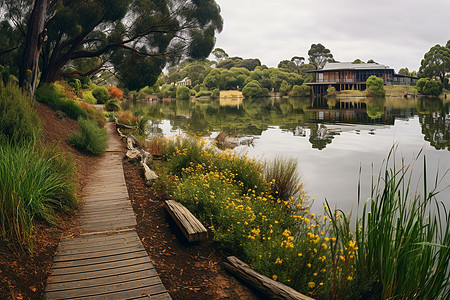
(436, 62)
(319, 55)
(135, 38)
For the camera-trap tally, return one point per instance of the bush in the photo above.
(76, 84)
(254, 90)
(53, 95)
(101, 94)
(89, 98)
(203, 94)
(300, 91)
(19, 121)
(115, 92)
(429, 87)
(183, 92)
(215, 94)
(331, 91)
(34, 183)
(91, 139)
(375, 86)
(113, 105)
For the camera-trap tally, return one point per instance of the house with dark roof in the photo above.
(350, 76)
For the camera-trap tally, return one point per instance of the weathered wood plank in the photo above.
(191, 227)
(98, 248)
(112, 265)
(72, 277)
(93, 240)
(100, 260)
(268, 287)
(97, 254)
(152, 284)
(101, 281)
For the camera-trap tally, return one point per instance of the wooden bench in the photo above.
(191, 227)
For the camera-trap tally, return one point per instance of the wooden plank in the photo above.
(152, 284)
(191, 227)
(97, 254)
(100, 260)
(100, 273)
(100, 281)
(125, 236)
(109, 225)
(99, 248)
(112, 265)
(268, 287)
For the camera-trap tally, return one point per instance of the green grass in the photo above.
(19, 121)
(90, 139)
(34, 183)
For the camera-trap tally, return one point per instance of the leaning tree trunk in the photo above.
(35, 39)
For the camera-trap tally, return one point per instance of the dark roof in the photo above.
(351, 66)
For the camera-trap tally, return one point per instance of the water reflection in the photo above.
(300, 115)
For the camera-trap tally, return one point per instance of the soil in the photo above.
(189, 271)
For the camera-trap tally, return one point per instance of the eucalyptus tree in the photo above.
(136, 38)
(436, 63)
(319, 55)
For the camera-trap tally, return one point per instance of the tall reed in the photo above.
(403, 244)
(33, 184)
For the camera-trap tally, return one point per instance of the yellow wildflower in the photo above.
(311, 285)
(274, 277)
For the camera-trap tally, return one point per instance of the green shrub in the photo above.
(85, 82)
(375, 86)
(300, 91)
(429, 87)
(19, 121)
(76, 84)
(183, 92)
(203, 94)
(215, 94)
(89, 98)
(53, 95)
(113, 105)
(254, 90)
(91, 139)
(331, 91)
(101, 94)
(34, 183)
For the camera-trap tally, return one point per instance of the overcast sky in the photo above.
(396, 33)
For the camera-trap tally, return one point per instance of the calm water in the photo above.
(331, 139)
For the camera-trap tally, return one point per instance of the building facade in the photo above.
(349, 76)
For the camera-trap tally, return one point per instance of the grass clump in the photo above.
(19, 121)
(91, 139)
(34, 183)
(284, 177)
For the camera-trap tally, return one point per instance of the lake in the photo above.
(331, 139)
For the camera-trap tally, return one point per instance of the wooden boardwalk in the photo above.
(108, 261)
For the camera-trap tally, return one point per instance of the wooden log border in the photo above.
(270, 288)
(135, 150)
